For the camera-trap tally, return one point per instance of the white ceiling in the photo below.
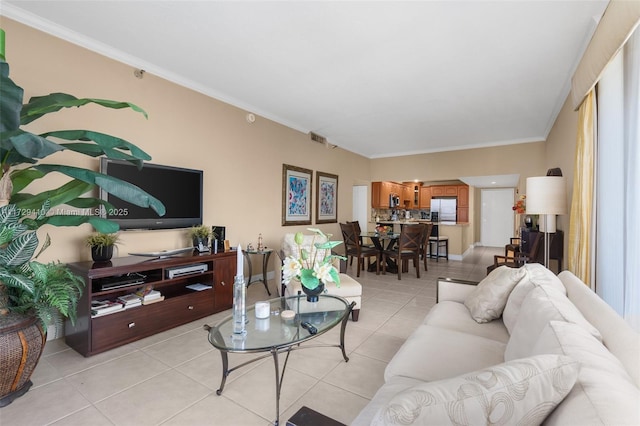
(380, 79)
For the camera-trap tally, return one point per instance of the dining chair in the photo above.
(424, 248)
(438, 241)
(356, 224)
(409, 248)
(354, 249)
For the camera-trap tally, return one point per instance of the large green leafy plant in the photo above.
(24, 283)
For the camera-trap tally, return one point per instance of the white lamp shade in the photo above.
(547, 223)
(547, 195)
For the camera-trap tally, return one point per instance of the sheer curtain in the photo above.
(618, 183)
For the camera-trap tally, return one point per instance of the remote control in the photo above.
(307, 325)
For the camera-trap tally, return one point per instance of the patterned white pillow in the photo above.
(486, 302)
(523, 391)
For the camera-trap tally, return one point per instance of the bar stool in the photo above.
(437, 241)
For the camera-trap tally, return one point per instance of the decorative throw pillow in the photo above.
(488, 299)
(536, 276)
(523, 391)
(542, 305)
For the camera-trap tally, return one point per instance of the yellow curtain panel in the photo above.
(583, 198)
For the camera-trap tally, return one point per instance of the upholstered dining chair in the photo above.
(409, 248)
(353, 248)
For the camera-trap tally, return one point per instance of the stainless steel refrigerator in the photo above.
(446, 209)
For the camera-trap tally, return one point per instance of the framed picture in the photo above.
(326, 198)
(296, 195)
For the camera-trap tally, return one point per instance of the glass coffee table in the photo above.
(274, 335)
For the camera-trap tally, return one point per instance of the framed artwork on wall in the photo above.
(326, 198)
(296, 195)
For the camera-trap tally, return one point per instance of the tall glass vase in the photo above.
(239, 305)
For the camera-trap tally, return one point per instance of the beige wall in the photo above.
(242, 161)
(561, 152)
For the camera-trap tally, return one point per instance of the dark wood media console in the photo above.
(92, 335)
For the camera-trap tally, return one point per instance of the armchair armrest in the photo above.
(454, 290)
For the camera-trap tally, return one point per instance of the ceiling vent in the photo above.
(317, 138)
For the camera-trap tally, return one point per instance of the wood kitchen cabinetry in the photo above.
(121, 276)
(463, 204)
(380, 192)
(463, 196)
(425, 197)
(444, 191)
(407, 196)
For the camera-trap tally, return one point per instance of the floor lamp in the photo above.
(547, 196)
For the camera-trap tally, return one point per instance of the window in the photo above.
(618, 183)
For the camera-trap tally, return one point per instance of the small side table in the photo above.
(266, 254)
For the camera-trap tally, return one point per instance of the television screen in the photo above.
(179, 189)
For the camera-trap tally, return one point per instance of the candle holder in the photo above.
(239, 305)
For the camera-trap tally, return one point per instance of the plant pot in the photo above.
(201, 244)
(101, 254)
(312, 295)
(21, 343)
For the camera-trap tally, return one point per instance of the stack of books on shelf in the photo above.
(152, 297)
(130, 301)
(148, 295)
(104, 307)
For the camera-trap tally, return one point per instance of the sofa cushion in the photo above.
(456, 316)
(488, 299)
(536, 275)
(604, 392)
(542, 305)
(434, 353)
(617, 335)
(523, 391)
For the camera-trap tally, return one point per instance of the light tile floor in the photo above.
(171, 378)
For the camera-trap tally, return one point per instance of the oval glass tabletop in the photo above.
(274, 331)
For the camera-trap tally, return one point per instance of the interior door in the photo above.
(496, 215)
(360, 206)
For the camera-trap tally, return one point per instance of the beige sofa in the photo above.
(555, 353)
(349, 288)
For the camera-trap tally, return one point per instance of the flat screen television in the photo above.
(179, 189)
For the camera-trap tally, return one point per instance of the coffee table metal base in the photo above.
(274, 352)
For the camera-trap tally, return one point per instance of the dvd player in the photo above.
(121, 281)
(179, 271)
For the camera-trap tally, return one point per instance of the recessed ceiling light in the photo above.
(494, 182)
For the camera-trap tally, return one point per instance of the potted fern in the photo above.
(29, 290)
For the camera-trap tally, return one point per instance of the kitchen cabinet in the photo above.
(437, 190)
(444, 191)
(415, 193)
(407, 196)
(380, 194)
(451, 190)
(425, 197)
(463, 196)
(463, 215)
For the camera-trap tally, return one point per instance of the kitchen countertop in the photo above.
(410, 221)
